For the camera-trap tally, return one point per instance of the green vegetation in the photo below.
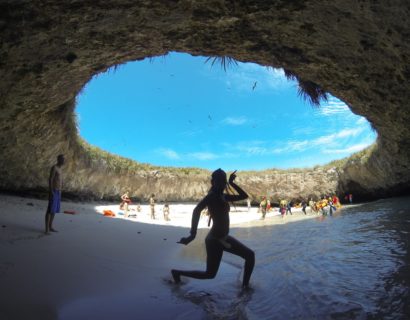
(360, 156)
(98, 158)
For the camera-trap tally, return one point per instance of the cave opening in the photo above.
(179, 110)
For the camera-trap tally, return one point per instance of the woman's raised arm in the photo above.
(242, 195)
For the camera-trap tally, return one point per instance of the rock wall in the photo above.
(356, 50)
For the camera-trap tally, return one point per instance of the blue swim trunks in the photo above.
(54, 202)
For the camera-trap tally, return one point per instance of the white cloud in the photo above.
(361, 121)
(169, 153)
(263, 148)
(332, 137)
(333, 107)
(351, 149)
(173, 155)
(235, 121)
(254, 150)
(291, 146)
(253, 147)
(203, 155)
(191, 133)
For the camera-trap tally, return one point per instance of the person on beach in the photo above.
(248, 202)
(312, 205)
(304, 205)
(125, 202)
(282, 207)
(262, 206)
(283, 211)
(152, 206)
(289, 207)
(165, 211)
(218, 239)
(55, 184)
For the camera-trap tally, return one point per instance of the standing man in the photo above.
(55, 183)
(289, 207)
(262, 207)
(152, 205)
(304, 205)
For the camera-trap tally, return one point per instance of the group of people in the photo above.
(265, 206)
(126, 201)
(325, 205)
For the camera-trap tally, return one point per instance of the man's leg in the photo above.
(48, 214)
(55, 207)
(51, 223)
(47, 221)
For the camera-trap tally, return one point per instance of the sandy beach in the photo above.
(99, 267)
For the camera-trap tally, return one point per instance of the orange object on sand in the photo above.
(108, 213)
(69, 211)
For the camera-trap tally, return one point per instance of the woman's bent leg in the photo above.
(214, 251)
(243, 251)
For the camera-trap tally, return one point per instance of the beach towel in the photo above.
(108, 213)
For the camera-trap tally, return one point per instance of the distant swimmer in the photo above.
(55, 184)
(218, 239)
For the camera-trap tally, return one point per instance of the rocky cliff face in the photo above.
(356, 50)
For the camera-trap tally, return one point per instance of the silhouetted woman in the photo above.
(218, 238)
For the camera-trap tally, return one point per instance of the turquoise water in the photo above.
(354, 265)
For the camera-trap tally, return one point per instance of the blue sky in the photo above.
(179, 111)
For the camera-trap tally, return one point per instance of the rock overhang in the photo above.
(357, 51)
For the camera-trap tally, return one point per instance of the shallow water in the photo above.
(352, 265)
